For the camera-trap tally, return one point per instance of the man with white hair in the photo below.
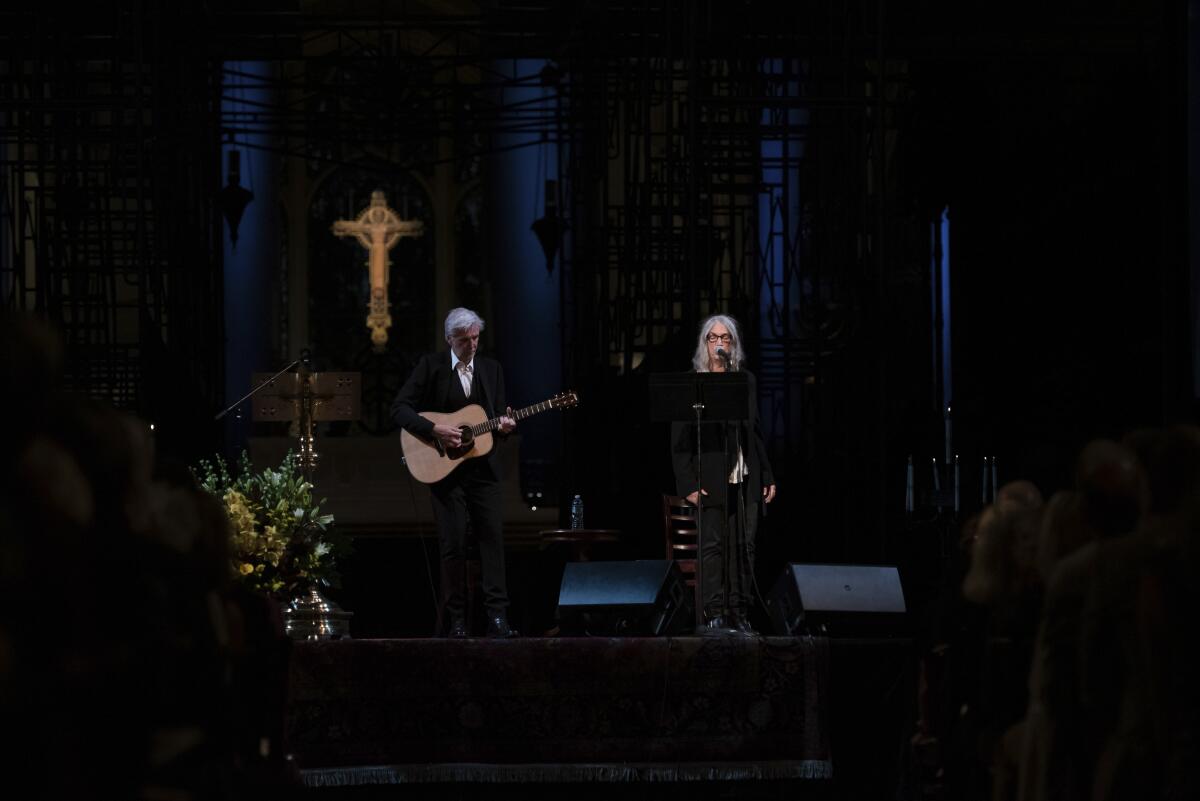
(446, 382)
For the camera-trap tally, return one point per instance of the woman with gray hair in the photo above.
(728, 480)
(716, 350)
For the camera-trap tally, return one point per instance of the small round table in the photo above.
(581, 540)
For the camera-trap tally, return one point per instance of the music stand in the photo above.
(308, 398)
(699, 398)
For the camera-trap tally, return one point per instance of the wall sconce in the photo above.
(549, 228)
(233, 199)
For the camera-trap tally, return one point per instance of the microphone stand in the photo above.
(696, 401)
(729, 547)
(238, 402)
(306, 402)
(725, 546)
(737, 539)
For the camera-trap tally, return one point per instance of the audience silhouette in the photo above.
(130, 665)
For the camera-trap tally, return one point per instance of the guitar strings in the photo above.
(519, 414)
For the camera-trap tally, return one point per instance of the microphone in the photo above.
(723, 355)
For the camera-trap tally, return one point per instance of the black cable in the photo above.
(726, 559)
(424, 549)
(746, 541)
(740, 542)
(754, 573)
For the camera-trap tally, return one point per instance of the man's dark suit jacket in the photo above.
(429, 388)
(719, 454)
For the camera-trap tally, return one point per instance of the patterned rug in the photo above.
(559, 710)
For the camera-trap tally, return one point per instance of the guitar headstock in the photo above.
(564, 400)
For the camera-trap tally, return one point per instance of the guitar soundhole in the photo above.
(468, 442)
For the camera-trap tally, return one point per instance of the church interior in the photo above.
(958, 244)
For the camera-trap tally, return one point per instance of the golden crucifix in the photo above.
(378, 229)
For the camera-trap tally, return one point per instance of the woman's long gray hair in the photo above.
(736, 354)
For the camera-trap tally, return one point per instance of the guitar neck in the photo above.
(518, 414)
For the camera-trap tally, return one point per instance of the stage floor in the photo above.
(566, 710)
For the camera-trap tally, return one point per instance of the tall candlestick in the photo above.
(937, 486)
(908, 487)
(956, 483)
(948, 437)
(983, 483)
(993, 478)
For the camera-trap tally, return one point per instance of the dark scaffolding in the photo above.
(108, 171)
(727, 160)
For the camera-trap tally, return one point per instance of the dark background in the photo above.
(1055, 134)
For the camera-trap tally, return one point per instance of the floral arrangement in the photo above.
(280, 541)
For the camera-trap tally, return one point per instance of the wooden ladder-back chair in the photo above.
(679, 535)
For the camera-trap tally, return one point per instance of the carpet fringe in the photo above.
(480, 773)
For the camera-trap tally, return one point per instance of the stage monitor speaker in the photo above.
(618, 599)
(847, 598)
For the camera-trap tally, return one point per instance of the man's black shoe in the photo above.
(715, 626)
(741, 624)
(498, 627)
(457, 630)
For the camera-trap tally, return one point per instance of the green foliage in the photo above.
(281, 542)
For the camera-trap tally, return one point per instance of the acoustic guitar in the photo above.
(429, 460)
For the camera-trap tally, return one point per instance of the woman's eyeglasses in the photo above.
(726, 338)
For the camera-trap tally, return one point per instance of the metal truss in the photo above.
(108, 161)
(699, 216)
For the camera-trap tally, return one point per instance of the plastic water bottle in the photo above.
(577, 512)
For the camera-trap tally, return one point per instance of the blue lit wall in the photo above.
(524, 329)
(939, 308)
(779, 215)
(943, 288)
(250, 265)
